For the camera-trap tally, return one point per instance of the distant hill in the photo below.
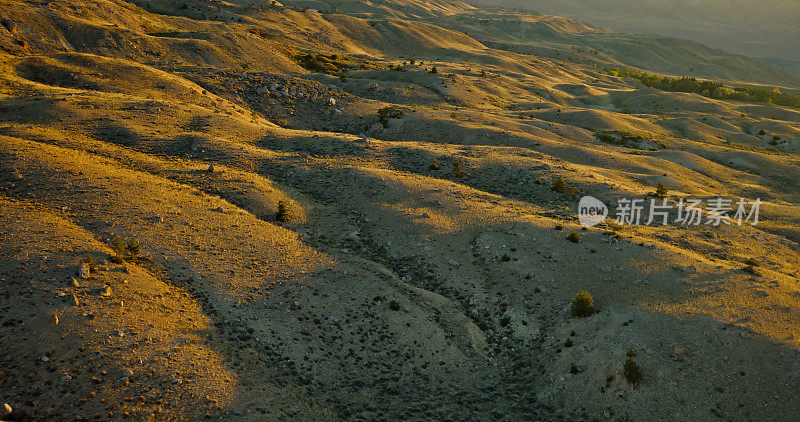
(756, 28)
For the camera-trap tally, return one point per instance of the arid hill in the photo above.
(367, 211)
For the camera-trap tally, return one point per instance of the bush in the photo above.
(559, 227)
(394, 305)
(433, 70)
(505, 258)
(282, 215)
(574, 237)
(583, 304)
(750, 270)
(633, 373)
(561, 187)
(124, 251)
(118, 246)
(133, 248)
(434, 164)
(661, 190)
(458, 169)
(389, 112)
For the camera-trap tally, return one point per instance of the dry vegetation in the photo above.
(203, 217)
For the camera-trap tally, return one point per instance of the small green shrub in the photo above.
(458, 169)
(434, 164)
(394, 305)
(573, 369)
(505, 258)
(750, 270)
(389, 112)
(560, 186)
(118, 246)
(633, 373)
(282, 215)
(574, 237)
(505, 320)
(559, 227)
(133, 248)
(568, 343)
(583, 304)
(661, 190)
(433, 70)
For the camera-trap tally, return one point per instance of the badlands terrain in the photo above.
(345, 210)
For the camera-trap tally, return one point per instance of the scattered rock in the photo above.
(688, 269)
(107, 292)
(679, 350)
(75, 282)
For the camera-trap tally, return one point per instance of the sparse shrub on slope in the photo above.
(389, 112)
(125, 251)
(282, 215)
(133, 247)
(118, 246)
(633, 373)
(661, 190)
(583, 304)
(458, 169)
(560, 186)
(574, 237)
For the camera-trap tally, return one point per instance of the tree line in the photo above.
(710, 89)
